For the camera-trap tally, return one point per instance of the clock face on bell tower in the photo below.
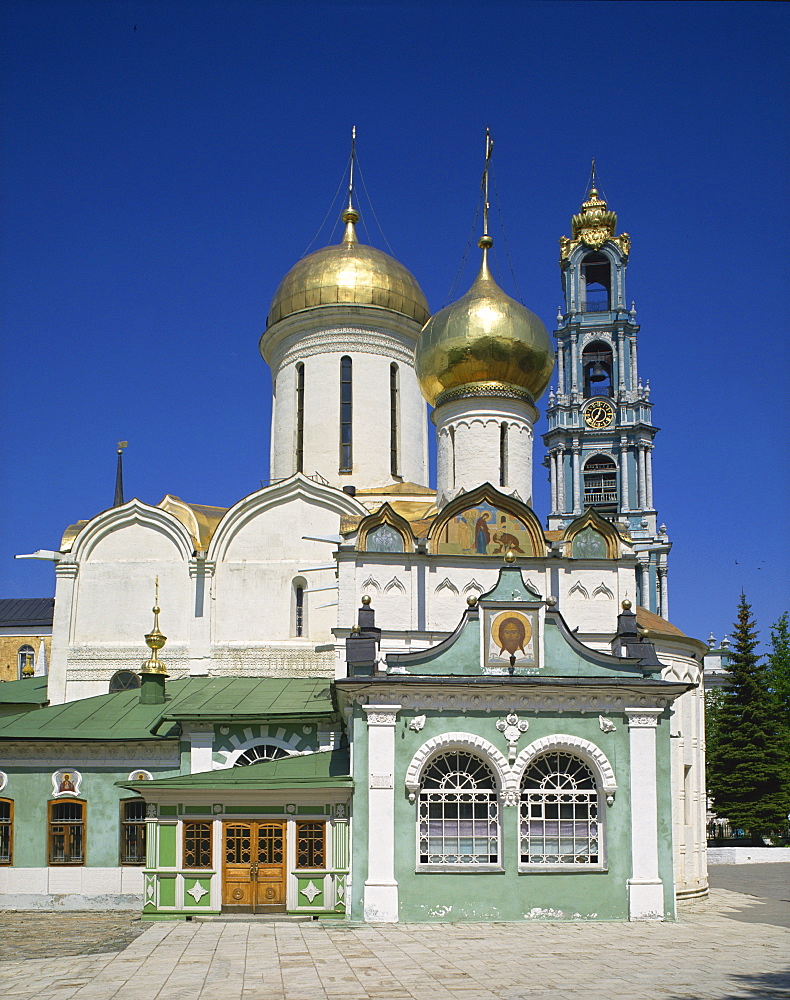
(599, 414)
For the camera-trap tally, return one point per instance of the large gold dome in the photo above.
(484, 337)
(350, 273)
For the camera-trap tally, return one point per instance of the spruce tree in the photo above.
(747, 763)
(779, 669)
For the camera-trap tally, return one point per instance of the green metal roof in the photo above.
(120, 716)
(326, 768)
(28, 691)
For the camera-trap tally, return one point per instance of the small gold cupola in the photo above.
(154, 671)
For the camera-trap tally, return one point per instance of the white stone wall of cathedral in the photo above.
(372, 349)
(470, 446)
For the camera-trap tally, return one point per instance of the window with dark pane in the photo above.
(394, 414)
(67, 833)
(6, 831)
(197, 845)
(310, 851)
(558, 822)
(133, 832)
(300, 417)
(345, 414)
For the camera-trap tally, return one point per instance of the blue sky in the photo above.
(164, 164)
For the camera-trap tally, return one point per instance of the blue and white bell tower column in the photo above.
(600, 437)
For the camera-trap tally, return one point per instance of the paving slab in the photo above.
(732, 945)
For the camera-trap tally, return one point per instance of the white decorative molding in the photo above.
(123, 756)
(529, 700)
(512, 728)
(449, 741)
(140, 775)
(310, 891)
(606, 725)
(3, 780)
(394, 584)
(416, 725)
(234, 746)
(473, 585)
(369, 584)
(380, 781)
(579, 589)
(575, 745)
(66, 781)
(643, 718)
(381, 715)
(603, 591)
(351, 340)
(135, 512)
(447, 584)
(197, 892)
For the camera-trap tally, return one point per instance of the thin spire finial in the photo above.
(118, 501)
(351, 169)
(350, 215)
(485, 242)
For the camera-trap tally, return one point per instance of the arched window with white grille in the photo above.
(458, 813)
(261, 751)
(559, 821)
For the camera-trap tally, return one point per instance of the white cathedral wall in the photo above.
(298, 340)
(252, 593)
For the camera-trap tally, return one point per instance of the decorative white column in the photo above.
(577, 490)
(621, 361)
(644, 578)
(649, 470)
(642, 477)
(553, 480)
(561, 368)
(664, 592)
(201, 745)
(381, 889)
(625, 500)
(561, 480)
(633, 363)
(645, 888)
(574, 365)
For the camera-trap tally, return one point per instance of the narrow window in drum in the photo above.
(300, 417)
(345, 414)
(394, 428)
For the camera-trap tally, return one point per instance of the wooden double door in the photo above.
(253, 868)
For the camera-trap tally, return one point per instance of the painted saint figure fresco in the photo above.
(484, 530)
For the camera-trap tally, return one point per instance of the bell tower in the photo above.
(600, 438)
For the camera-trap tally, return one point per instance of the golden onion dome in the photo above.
(484, 337)
(350, 273)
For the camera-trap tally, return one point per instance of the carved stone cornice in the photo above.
(131, 754)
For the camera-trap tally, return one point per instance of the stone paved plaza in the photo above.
(733, 944)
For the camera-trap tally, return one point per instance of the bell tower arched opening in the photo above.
(597, 369)
(596, 272)
(600, 484)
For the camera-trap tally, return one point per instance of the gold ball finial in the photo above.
(510, 556)
(350, 214)
(471, 600)
(626, 605)
(366, 600)
(485, 242)
(551, 602)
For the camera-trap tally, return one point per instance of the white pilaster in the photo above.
(577, 482)
(625, 500)
(201, 744)
(574, 365)
(554, 466)
(649, 471)
(642, 477)
(381, 889)
(561, 480)
(664, 591)
(634, 377)
(645, 888)
(65, 599)
(561, 368)
(621, 361)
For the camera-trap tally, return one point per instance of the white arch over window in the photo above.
(460, 741)
(588, 751)
(292, 746)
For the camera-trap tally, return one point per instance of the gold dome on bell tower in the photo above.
(486, 343)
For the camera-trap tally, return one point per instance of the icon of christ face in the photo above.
(512, 636)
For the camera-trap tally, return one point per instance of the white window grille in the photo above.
(259, 752)
(558, 820)
(458, 812)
